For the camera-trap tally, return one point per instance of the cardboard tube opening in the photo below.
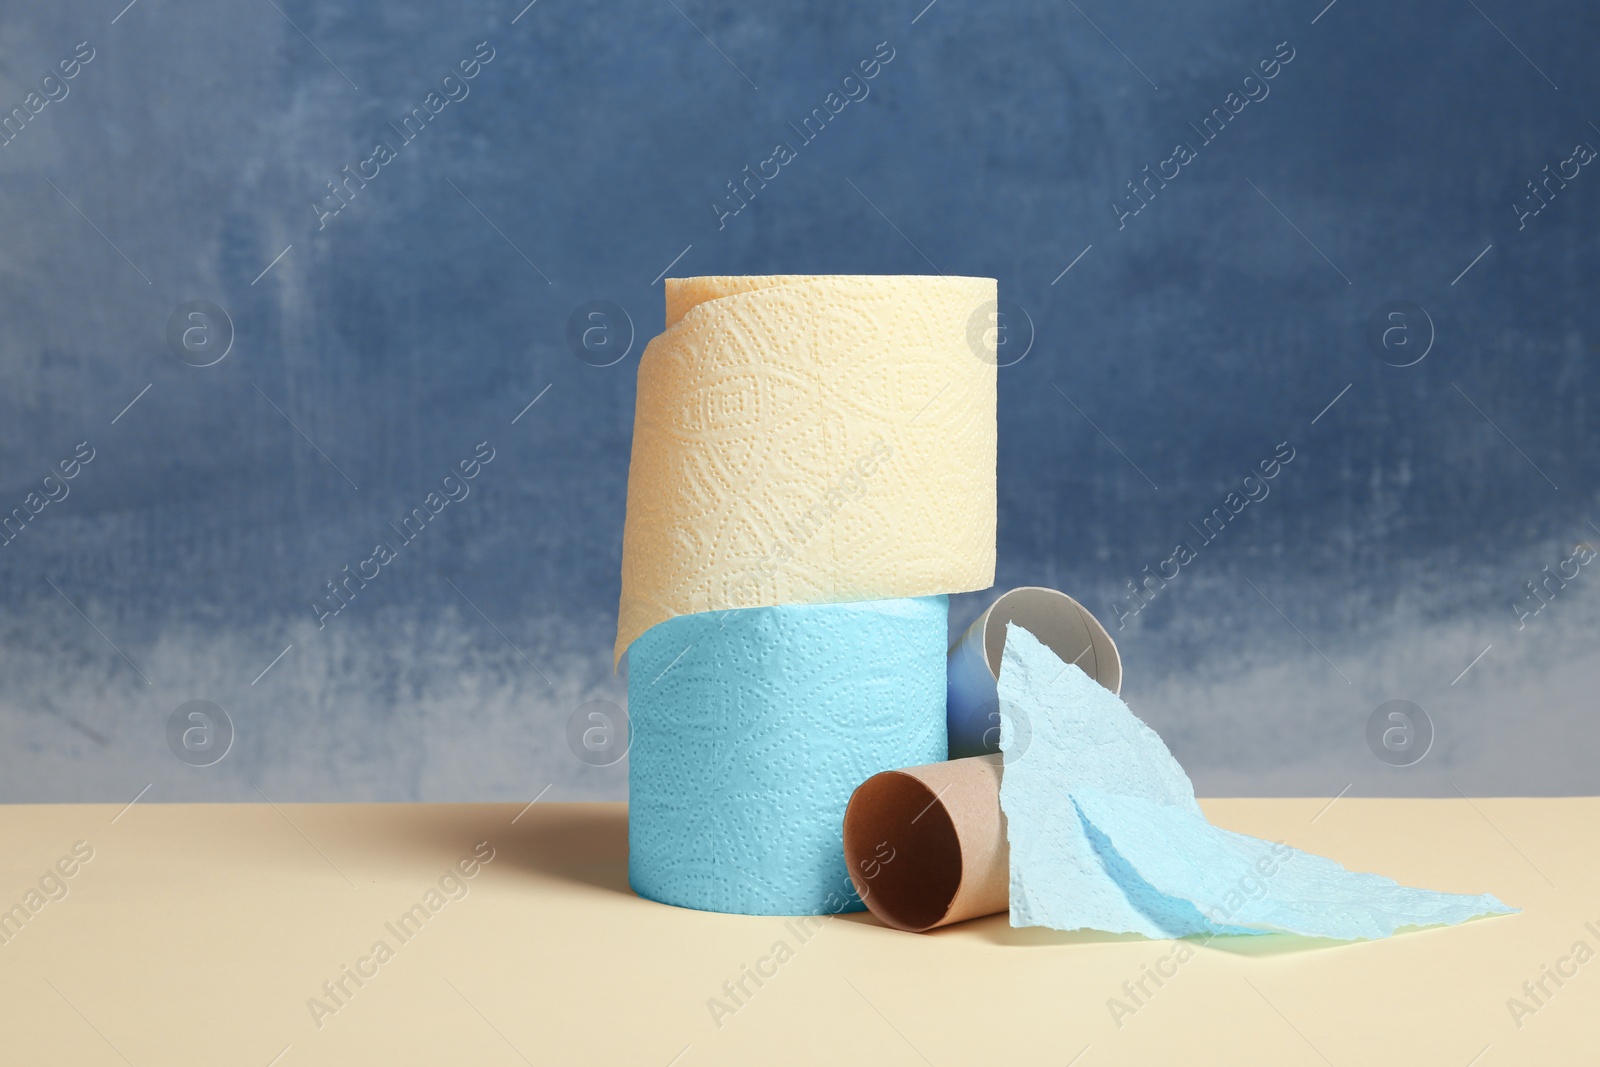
(926, 846)
(972, 703)
(1062, 624)
(902, 851)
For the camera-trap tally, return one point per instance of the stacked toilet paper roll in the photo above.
(813, 468)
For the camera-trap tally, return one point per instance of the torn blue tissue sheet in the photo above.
(1105, 833)
(1057, 735)
(1171, 858)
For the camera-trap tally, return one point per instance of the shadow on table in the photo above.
(1285, 944)
(1269, 944)
(997, 929)
(585, 843)
(581, 843)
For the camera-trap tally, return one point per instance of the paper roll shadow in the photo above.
(926, 846)
(1065, 626)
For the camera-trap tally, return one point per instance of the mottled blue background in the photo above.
(425, 316)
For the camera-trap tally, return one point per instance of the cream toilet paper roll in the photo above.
(806, 440)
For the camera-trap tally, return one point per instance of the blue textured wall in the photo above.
(1386, 159)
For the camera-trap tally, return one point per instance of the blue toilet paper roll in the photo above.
(751, 728)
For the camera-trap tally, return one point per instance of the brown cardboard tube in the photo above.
(926, 846)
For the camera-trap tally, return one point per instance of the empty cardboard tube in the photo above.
(926, 846)
(972, 704)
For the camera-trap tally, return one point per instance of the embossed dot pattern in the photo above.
(806, 440)
(752, 727)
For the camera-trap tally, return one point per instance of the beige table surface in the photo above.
(197, 934)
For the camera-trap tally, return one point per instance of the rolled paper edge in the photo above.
(926, 846)
(640, 606)
(1057, 620)
(685, 294)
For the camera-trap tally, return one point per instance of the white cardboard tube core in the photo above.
(1064, 626)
